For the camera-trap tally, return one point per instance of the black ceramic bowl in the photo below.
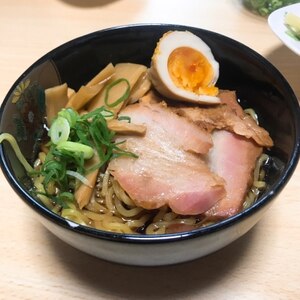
(258, 84)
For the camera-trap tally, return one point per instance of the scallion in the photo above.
(79, 177)
(124, 118)
(122, 98)
(76, 148)
(59, 130)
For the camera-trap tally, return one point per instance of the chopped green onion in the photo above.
(100, 110)
(76, 148)
(122, 98)
(125, 118)
(62, 199)
(59, 130)
(79, 177)
(67, 196)
(53, 170)
(120, 152)
(69, 114)
(8, 137)
(107, 114)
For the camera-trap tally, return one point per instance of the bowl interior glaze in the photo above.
(257, 83)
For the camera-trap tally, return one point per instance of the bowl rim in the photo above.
(157, 238)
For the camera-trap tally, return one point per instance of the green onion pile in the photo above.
(74, 139)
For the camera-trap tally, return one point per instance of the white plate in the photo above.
(276, 22)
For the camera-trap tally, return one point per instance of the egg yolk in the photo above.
(190, 70)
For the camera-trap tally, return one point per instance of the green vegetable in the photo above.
(63, 199)
(292, 23)
(59, 131)
(122, 98)
(86, 134)
(265, 7)
(69, 114)
(76, 148)
(124, 118)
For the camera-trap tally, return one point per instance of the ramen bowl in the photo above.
(258, 85)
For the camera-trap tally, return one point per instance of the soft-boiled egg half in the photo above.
(184, 68)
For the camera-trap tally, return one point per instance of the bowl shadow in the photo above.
(288, 63)
(172, 282)
(88, 3)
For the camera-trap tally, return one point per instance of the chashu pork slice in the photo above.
(230, 116)
(233, 158)
(168, 170)
(159, 119)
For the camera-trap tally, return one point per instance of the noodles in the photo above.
(258, 181)
(126, 212)
(8, 137)
(111, 209)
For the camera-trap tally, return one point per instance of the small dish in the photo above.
(276, 22)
